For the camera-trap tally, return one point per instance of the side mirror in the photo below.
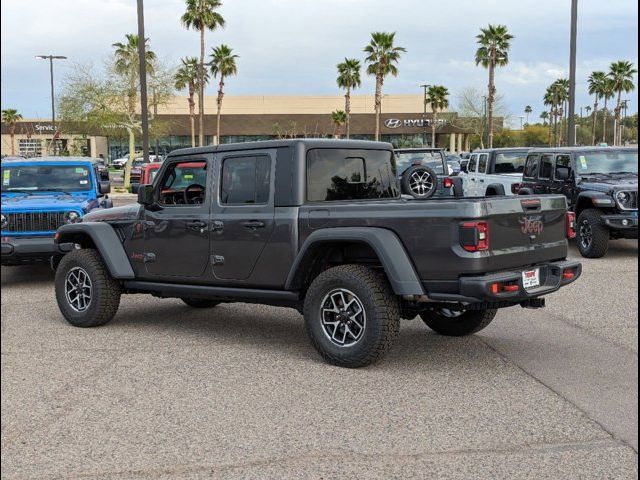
(104, 187)
(145, 195)
(562, 173)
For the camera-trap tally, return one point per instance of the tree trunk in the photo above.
(219, 104)
(347, 109)
(13, 141)
(201, 89)
(132, 157)
(490, 100)
(595, 116)
(434, 122)
(604, 121)
(192, 115)
(378, 105)
(616, 135)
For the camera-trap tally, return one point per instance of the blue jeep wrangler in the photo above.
(38, 196)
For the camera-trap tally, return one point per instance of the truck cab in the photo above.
(494, 171)
(40, 195)
(601, 187)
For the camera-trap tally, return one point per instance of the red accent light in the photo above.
(447, 182)
(495, 288)
(571, 224)
(510, 288)
(568, 274)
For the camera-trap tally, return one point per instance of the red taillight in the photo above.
(571, 224)
(515, 188)
(568, 274)
(474, 236)
(447, 182)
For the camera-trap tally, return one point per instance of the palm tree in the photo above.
(561, 86)
(348, 78)
(10, 116)
(607, 93)
(223, 64)
(621, 74)
(527, 112)
(550, 101)
(201, 15)
(187, 77)
(544, 115)
(437, 97)
(382, 57)
(127, 65)
(339, 118)
(493, 52)
(595, 85)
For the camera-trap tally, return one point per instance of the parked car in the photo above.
(41, 194)
(148, 174)
(319, 226)
(422, 172)
(496, 171)
(601, 186)
(103, 168)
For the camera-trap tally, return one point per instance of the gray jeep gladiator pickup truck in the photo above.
(320, 226)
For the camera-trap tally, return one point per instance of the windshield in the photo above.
(607, 162)
(429, 159)
(64, 178)
(510, 162)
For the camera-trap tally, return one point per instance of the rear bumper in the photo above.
(17, 251)
(478, 289)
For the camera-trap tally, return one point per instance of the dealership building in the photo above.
(246, 118)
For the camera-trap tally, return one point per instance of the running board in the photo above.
(224, 294)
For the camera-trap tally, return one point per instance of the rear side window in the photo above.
(546, 166)
(531, 167)
(482, 163)
(245, 180)
(346, 174)
(473, 161)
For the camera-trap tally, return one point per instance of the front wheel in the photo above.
(457, 323)
(351, 315)
(87, 295)
(593, 235)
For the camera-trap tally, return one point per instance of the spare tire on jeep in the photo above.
(419, 181)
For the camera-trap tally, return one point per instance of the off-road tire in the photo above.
(599, 244)
(467, 323)
(105, 295)
(380, 306)
(405, 182)
(200, 302)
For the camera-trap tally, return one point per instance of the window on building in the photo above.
(341, 174)
(245, 180)
(29, 147)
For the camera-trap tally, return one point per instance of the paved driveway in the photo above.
(166, 391)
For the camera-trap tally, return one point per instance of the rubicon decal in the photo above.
(532, 225)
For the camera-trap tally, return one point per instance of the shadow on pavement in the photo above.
(32, 275)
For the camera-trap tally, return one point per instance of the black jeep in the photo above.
(320, 226)
(601, 186)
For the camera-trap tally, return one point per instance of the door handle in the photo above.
(482, 180)
(253, 224)
(198, 225)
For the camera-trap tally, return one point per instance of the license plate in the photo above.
(531, 278)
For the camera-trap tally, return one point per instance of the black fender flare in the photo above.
(107, 243)
(497, 187)
(396, 263)
(593, 199)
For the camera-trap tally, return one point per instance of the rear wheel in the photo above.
(593, 235)
(87, 295)
(200, 302)
(457, 323)
(351, 315)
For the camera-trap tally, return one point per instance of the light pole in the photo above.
(51, 58)
(571, 134)
(143, 83)
(424, 87)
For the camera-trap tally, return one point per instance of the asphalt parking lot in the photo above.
(166, 391)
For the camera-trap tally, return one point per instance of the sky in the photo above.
(292, 46)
